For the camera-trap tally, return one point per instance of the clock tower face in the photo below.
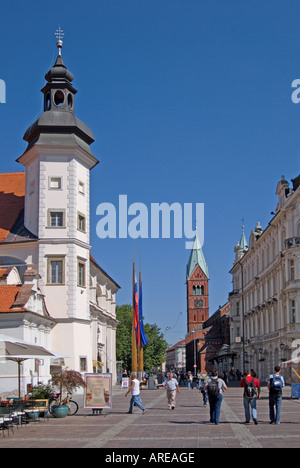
(198, 302)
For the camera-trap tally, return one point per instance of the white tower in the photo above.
(58, 160)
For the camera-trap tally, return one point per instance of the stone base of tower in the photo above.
(73, 339)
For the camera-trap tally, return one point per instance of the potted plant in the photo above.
(43, 392)
(67, 381)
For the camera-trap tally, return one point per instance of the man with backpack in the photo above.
(215, 388)
(275, 386)
(251, 387)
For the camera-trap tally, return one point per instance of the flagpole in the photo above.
(134, 363)
(141, 349)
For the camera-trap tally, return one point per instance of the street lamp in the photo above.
(195, 363)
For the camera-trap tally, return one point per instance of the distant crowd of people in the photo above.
(212, 388)
(191, 381)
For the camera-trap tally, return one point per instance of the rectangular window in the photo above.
(55, 183)
(81, 274)
(83, 364)
(56, 270)
(292, 312)
(56, 219)
(291, 270)
(81, 223)
(81, 187)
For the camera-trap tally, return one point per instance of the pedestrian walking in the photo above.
(275, 386)
(251, 387)
(190, 381)
(171, 385)
(224, 377)
(135, 394)
(215, 388)
(202, 384)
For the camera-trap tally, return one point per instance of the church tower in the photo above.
(197, 287)
(58, 160)
(197, 306)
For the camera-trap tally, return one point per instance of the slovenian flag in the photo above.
(136, 313)
(144, 339)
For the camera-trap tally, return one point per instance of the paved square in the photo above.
(186, 427)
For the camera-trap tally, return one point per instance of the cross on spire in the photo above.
(59, 33)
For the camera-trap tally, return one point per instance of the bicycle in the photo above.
(73, 406)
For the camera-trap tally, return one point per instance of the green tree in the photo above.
(154, 351)
(124, 333)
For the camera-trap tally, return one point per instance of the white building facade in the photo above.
(51, 232)
(176, 357)
(265, 301)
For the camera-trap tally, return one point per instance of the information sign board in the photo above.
(98, 391)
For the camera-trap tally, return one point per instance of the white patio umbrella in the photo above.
(18, 351)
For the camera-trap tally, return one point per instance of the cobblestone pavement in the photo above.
(186, 427)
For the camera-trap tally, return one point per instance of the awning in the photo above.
(292, 361)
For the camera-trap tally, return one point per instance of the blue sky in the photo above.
(189, 102)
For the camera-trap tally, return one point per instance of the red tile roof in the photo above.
(12, 195)
(2, 272)
(8, 296)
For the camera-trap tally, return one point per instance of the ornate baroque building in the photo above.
(265, 300)
(217, 340)
(70, 302)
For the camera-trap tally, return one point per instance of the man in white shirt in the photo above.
(171, 386)
(135, 395)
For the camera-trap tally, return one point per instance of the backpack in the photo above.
(213, 388)
(276, 383)
(250, 389)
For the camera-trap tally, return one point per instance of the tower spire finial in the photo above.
(243, 241)
(59, 33)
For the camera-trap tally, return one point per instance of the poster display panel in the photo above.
(98, 391)
(125, 382)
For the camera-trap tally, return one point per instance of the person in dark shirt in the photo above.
(215, 400)
(275, 386)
